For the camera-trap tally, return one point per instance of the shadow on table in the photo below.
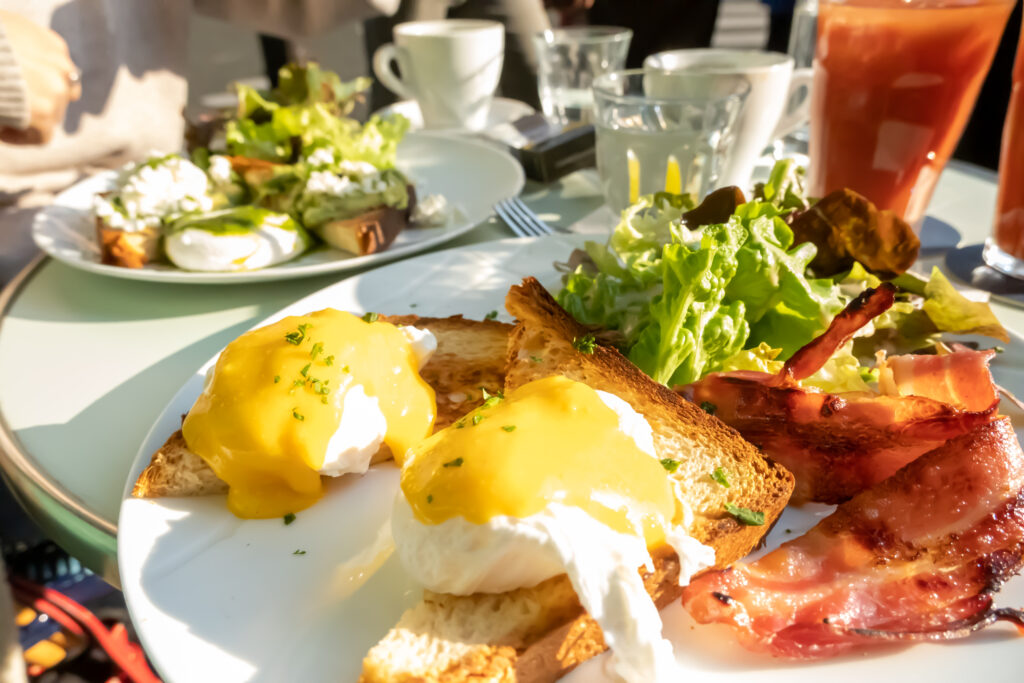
(71, 295)
(937, 236)
(100, 442)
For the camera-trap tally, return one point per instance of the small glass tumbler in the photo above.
(664, 131)
(568, 61)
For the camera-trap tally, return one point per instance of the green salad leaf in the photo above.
(761, 358)
(685, 300)
(306, 111)
(691, 329)
(786, 309)
(785, 186)
(951, 311)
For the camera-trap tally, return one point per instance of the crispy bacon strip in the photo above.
(837, 445)
(917, 557)
(868, 305)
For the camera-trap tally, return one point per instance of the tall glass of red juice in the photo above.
(894, 84)
(1005, 250)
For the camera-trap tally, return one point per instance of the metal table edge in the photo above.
(14, 460)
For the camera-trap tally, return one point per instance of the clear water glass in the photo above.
(568, 61)
(664, 131)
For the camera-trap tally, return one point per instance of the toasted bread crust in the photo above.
(368, 232)
(542, 345)
(764, 486)
(470, 355)
(174, 470)
(127, 249)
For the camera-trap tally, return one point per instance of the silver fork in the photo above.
(521, 219)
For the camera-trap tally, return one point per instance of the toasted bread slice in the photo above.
(538, 634)
(127, 248)
(368, 232)
(470, 354)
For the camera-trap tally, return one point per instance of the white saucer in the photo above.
(503, 110)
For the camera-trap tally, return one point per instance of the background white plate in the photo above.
(215, 598)
(472, 175)
(503, 110)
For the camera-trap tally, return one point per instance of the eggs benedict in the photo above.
(555, 478)
(307, 396)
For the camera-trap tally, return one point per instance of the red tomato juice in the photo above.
(894, 84)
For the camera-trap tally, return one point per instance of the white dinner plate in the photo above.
(216, 598)
(472, 175)
(503, 110)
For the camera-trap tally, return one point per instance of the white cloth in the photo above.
(14, 109)
(132, 58)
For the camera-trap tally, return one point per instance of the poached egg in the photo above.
(308, 396)
(237, 238)
(555, 478)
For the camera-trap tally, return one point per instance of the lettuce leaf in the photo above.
(761, 358)
(785, 308)
(305, 112)
(685, 300)
(692, 330)
(628, 277)
(951, 311)
(784, 188)
(841, 373)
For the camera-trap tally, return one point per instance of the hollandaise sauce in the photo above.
(551, 441)
(274, 401)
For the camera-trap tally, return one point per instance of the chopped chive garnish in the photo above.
(299, 552)
(669, 464)
(297, 337)
(317, 349)
(489, 398)
(477, 418)
(413, 305)
(371, 317)
(708, 407)
(536, 359)
(305, 370)
(299, 383)
(323, 400)
(584, 344)
(457, 462)
(720, 476)
(344, 368)
(289, 518)
(329, 360)
(277, 378)
(297, 415)
(430, 498)
(491, 316)
(744, 515)
(460, 424)
(509, 428)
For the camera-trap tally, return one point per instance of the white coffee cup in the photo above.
(451, 68)
(767, 113)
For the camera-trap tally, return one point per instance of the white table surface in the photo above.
(88, 362)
